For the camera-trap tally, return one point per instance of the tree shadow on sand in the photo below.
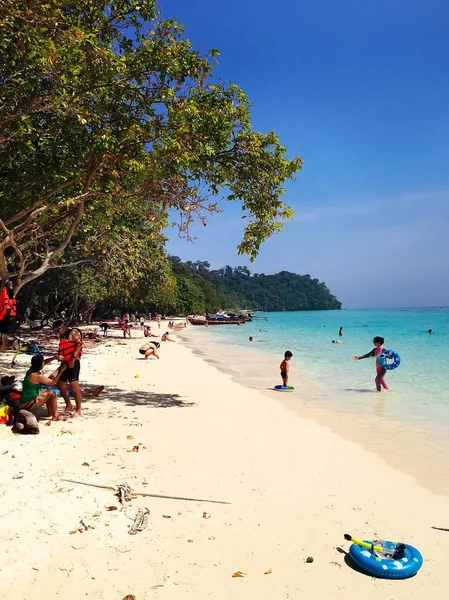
(140, 398)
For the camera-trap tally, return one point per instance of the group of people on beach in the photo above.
(39, 390)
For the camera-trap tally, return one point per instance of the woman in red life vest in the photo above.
(8, 312)
(69, 353)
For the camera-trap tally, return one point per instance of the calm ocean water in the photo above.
(325, 372)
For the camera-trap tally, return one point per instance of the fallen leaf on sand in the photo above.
(206, 515)
(268, 572)
(135, 448)
(129, 597)
(190, 541)
(166, 516)
(73, 531)
(238, 574)
(47, 424)
(129, 437)
(18, 476)
(111, 508)
(85, 464)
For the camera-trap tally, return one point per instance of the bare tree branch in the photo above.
(42, 199)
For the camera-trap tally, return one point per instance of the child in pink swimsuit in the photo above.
(380, 371)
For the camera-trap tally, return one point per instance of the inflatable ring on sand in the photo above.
(405, 564)
(282, 388)
(382, 360)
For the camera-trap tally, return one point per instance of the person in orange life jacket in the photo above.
(8, 312)
(69, 353)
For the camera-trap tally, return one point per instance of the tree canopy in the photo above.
(110, 122)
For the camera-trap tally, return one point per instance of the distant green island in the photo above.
(237, 289)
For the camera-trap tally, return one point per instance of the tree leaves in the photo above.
(110, 116)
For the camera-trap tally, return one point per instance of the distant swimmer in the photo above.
(430, 332)
(250, 339)
(336, 342)
(340, 333)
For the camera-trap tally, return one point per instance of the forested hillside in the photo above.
(236, 288)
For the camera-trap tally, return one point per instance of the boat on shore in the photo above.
(219, 319)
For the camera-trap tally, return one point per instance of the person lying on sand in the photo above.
(149, 349)
(87, 392)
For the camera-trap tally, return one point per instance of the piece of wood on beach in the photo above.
(119, 487)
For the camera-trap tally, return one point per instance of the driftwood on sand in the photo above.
(124, 492)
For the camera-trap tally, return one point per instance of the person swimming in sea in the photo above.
(380, 371)
(340, 332)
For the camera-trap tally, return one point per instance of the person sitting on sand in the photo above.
(149, 349)
(165, 337)
(33, 395)
(147, 332)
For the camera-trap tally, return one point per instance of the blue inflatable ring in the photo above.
(382, 360)
(387, 568)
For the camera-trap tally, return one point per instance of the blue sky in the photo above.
(361, 91)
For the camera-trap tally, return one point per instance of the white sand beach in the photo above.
(184, 429)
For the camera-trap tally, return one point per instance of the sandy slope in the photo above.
(294, 488)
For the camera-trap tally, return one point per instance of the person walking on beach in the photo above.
(69, 353)
(285, 368)
(380, 371)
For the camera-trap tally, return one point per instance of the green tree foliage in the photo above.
(110, 121)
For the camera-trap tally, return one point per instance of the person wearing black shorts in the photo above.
(69, 353)
(149, 349)
(71, 374)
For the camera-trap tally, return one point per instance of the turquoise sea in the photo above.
(323, 372)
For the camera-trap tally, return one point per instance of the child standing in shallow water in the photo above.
(285, 368)
(380, 371)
